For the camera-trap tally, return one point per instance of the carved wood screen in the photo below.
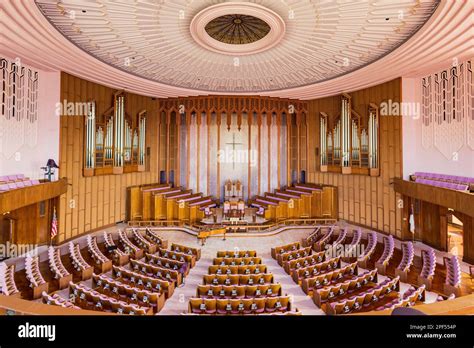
(262, 124)
(349, 143)
(114, 141)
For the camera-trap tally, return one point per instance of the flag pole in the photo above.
(54, 227)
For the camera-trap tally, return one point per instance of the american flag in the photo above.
(54, 225)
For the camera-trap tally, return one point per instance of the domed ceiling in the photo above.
(237, 29)
(249, 46)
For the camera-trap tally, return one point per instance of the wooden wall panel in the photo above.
(94, 202)
(363, 200)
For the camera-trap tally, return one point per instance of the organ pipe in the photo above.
(373, 137)
(345, 132)
(142, 135)
(108, 146)
(349, 144)
(324, 139)
(355, 142)
(135, 146)
(337, 140)
(90, 135)
(119, 131)
(128, 143)
(114, 139)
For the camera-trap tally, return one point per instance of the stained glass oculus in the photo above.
(237, 29)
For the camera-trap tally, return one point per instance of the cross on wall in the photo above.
(233, 143)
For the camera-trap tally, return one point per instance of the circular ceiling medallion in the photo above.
(236, 28)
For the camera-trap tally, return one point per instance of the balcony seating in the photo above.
(452, 284)
(444, 177)
(408, 253)
(128, 293)
(142, 242)
(443, 184)
(237, 253)
(80, 265)
(34, 277)
(239, 306)
(247, 269)
(129, 247)
(56, 300)
(388, 249)
(426, 275)
(142, 281)
(7, 281)
(331, 293)
(238, 291)
(186, 250)
(453, 182)
(12, 178)
(313, 259)
(298, 274)
(369, 249)
(236, 261)
(86, 298)
(365, 299)
(101, 263)
(333, 277)
(294, 254)
(155, 238)
(156, 271)
(119, 257)
(61, 274)
(238, 279)
(177, 256)
(16, 181)
(410, 298)
(284, 249)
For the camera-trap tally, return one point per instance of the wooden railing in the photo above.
(156, 223)
(457, 200)
(247, 227)
(22, 197)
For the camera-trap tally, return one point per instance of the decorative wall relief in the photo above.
(448, 110)
(19, 107)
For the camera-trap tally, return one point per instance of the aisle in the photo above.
(178, 303)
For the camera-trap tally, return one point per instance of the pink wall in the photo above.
(30, 159)
(415, 156)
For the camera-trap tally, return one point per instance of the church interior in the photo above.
(237, 158)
